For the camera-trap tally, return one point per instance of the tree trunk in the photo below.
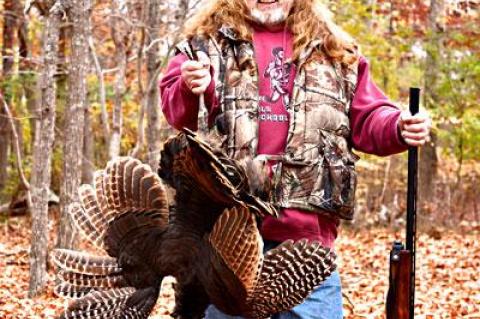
(10, 22)
(428, 162)
(27, 74)
(42, 151)
(88, 150)
(78, 14)
(152, 98)
(101, 88)
(120, 35)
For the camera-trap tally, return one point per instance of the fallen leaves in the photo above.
(448, 281)
(447, 277)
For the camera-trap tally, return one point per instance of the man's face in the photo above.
(269, 12)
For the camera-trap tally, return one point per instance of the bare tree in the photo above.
(101, 89)
(79, 16)
(152, 95)
(42, 150)
(10, 24)
(428, 154)
(27, 73)
(121, 34)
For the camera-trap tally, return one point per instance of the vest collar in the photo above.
(229, 33)
(307, 52)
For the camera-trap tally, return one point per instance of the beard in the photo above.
(270, 18)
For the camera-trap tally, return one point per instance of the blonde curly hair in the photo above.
(309, 20)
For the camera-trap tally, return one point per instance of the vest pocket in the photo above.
(334, 189)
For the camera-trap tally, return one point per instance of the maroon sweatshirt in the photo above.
(373, 120)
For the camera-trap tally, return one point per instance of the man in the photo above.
(331, 106)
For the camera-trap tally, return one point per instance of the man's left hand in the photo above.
(415, 129)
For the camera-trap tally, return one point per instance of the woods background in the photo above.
(79, 85)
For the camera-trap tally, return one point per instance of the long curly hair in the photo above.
(309, 20)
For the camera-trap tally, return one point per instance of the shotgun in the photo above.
(401, 292)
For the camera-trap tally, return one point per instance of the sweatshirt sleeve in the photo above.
(374, 118)
(179, 104)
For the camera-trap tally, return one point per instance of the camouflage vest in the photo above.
(317, 172)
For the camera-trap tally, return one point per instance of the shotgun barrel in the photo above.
(401, 292)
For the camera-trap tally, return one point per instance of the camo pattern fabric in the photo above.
(317, 171)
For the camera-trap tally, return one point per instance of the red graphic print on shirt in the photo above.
(279, 74)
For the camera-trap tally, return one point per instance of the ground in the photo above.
(448, 281)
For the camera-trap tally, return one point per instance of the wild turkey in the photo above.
(209, 241)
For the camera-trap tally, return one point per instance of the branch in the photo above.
(101, 80)
(25, 183)
(140, 133)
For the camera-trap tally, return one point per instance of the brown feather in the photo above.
(289, 274)
(236, 239)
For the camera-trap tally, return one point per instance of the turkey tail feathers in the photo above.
(122, 213)
(82, 273)
(125, 185)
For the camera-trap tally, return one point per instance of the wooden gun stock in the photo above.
(398, 297)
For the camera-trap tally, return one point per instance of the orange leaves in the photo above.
(448, 285)
(448, 281)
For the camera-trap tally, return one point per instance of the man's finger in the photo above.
(418, 127)
(197, 74)
(414, 119)
(200, 89)
(414, 136)
(191, 66)
(197, 83)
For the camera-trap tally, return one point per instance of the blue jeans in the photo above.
(325, 302)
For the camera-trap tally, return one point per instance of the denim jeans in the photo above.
(325, 302)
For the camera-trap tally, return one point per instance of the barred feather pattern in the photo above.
(124, 185)
(76, 285)
(289, 274)
(237, 240)
(83, 263)
(67, 290)
(100, 304)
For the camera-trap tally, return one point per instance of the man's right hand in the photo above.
(196, 74)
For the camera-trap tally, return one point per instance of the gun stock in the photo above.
(398, 297)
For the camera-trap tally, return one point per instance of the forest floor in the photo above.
(448, 281)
